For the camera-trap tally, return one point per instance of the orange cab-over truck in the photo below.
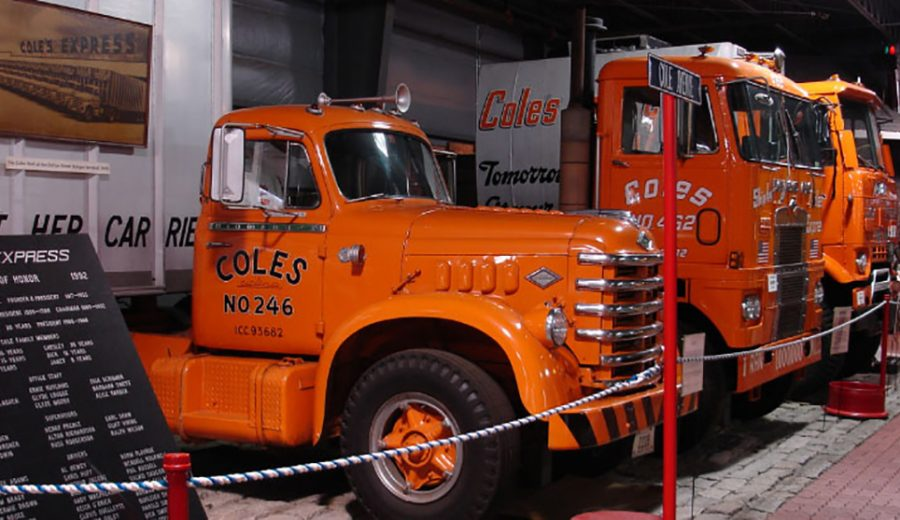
(750, 193)
(337, 292)
(860, 234)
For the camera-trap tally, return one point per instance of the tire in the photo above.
(772, 395)
(697, 426)
(828, 369)
(394, 402)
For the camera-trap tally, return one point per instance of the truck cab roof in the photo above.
(706, 66)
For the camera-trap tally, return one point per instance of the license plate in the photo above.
(643, 443)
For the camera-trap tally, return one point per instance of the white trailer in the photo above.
(141, 214)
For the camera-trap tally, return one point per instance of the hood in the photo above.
(448, 230)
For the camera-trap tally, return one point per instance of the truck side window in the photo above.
(301, 185)
(642, 123)
(641, 120)
(277, 175)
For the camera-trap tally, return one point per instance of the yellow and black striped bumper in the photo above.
(606, 420)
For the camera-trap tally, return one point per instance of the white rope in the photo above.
(651, 374)
(733, 355)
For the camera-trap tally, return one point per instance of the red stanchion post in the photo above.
(177, 466)
(670, 315)
(885, 330)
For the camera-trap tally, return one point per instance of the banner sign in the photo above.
(76, 403)
(72, 75)
(517, 151)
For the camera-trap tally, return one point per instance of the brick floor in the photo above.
(864, 484)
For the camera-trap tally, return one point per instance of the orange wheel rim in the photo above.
(418, 423)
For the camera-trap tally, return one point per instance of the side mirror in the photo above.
(848, 149)
(228, 165)
(685, 129)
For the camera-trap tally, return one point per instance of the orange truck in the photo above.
(750, 198)
(860, 222)
(337, 292)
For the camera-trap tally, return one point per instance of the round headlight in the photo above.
(819, 293)
(557, 326)
(751, 308)
(862, 261)
(880, 188)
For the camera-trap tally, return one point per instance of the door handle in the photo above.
(621, 164)
(211, 245)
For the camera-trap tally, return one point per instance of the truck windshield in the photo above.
(369, 164)
(860, 120)
(769, 123)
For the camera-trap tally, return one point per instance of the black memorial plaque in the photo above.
(75, 403)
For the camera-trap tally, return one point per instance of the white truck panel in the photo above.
(142, 215)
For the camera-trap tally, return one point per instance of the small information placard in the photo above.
(76, 404)
(692, 373)
(840, 338)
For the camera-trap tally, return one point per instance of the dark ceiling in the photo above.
(820, 37)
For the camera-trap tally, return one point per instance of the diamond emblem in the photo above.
(543, 278)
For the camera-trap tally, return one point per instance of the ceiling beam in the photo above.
(781, 28)
(876, 13)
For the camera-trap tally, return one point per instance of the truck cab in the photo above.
(338, 293)
(860, 232)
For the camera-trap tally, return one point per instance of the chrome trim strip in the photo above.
(601, 284)
(267, 226)
(623, 259)
(619, 360)
(623, 334)
(617, 309)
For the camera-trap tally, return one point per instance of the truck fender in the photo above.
(544, 378)
(837, 272)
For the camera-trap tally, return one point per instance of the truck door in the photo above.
(258, 271)
(632, 165)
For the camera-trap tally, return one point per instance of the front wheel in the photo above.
(413, 397)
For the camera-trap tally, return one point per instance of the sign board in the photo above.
(643, 442)
(674, 80)
(692, 373)
(518, 133)
(75, 401)
(840, 338)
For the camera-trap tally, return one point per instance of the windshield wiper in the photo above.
(867, 163)
(379, 196)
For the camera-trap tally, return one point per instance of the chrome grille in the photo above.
(790, 235)
(623, 319)
(793, 285)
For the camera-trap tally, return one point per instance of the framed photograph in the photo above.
(72, 75)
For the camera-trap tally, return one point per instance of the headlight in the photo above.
(862, 261)
(819, 294)
(751, 308)
(880, 188)
(557, 326)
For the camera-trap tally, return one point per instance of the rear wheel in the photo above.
(416, 396)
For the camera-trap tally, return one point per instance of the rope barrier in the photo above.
(638, 379)
(734, 355)
(144, 486)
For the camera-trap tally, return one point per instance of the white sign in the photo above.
(643, 443)
(56, 165)
(518, 132)
(692, 373)
(840, 338)
(860, 298)
(773, 282)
